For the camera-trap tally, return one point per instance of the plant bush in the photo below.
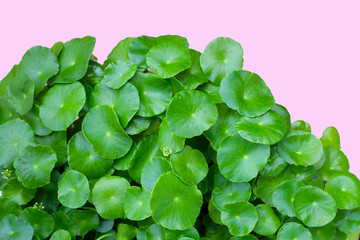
(162, 142)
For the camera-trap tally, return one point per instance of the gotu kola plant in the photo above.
(162, 142)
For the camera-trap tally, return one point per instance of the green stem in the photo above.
(106, 235)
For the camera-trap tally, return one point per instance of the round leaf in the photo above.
(240, 160)
(61, 235)
(314, 207)
(13, 190)
(61, 105)
(34, 165)
(120, 51)
(348, 221)
(275, 164)
(223, 127)
(335, 160)
(84, 159)
(344, 187)
(220, 57)
(136, 205)
(268, 222)
(126, 232)
(147, 149)
(74, 189)
(268, 128)
(155, 231)
(42, 222)
(230, 192)
(168, 59)
(13, 228)
(153, 169)
(63, 221)
(192, 109)
(191, 233)
(300, 148)
(8, 206)
(247, 93)
(83, 227)
(189, 165)
(33, 119)
(324, 233)
(284, 194)
(300, 125)
(179, 40)
(109, 196)
(168, 140)
(173, 204)
(138, 48)
(331, 137)
(194, 76)
(125, 101)
(293, 231)
(137, 125)
(240, 217)
(283, 112)
(40, 63)
(155, 93)
(117, 73)
(74, 59)
(104, 132)
(14, 136)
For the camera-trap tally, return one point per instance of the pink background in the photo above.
(307, 51)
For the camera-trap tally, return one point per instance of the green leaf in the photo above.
(191, 233)
(137, 203)
(247, 237)
(303, 173)
(173, 204)
(123, 163)
(194, 76)
(331, 137)
(125, 101)
(4, 83)
(247, 93)
(179, 40)
(74, 189)
(138, 49)
(223, 127)
(109, 196)
(147, 149)
(14, 136)
(240, 217)
(168, 59)
(39, 63)
(155, 93)
(268, 128)
(229, 192)
(300, 148)
(168, 140)
(283, 112)
(137, 125)
(284, 195)
(189, 165)
(94, 73)
(152, 170)
(120, 51)
(294, 231)
(324, 233)
(118, 73)
(275, 164)
(63, 221)
(42, 222)
(84, 159)
(14, 228)
(33, 119)
(7, 113)
(86, 220)
(240, 160)
(220, 57)
(61, 235)
(193, 109)
(344, 187)
(335, 160)
(57, 48)
(314, 207)
(34, 165)
(268, 222)
(102, 129)
(300, 125)
(348, 221)
(61, 105)
(58, 142)
(155, 231)
(8, 206)
(212, 91)
(74, 59)
(13, 190)
(126, 232)
(20, 93)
